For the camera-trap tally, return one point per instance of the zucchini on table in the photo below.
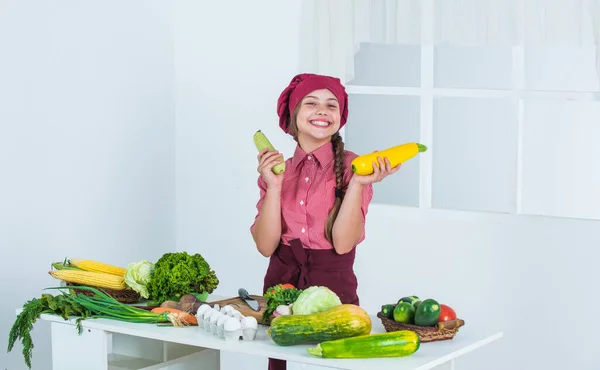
(343, 321)
(390, 344)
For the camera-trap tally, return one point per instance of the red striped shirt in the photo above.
(308, 194)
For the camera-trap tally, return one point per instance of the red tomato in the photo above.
(283, 286)
(447, 313)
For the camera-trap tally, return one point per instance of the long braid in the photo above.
(338, 168)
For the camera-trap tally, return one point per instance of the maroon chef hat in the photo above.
(303, 84)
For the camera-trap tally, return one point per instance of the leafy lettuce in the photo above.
(179, 273)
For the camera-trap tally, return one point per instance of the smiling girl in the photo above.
(311, 217)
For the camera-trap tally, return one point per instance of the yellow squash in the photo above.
(363, 165)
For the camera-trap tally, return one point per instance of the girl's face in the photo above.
(318, 117)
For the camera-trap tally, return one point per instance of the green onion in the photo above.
(104, 306)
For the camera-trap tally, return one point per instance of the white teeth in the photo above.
(320, 123)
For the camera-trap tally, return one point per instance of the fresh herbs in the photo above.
(280, 294)
(32, 310)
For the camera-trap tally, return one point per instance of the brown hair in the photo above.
(338, 169)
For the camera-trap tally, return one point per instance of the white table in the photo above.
(115, 345)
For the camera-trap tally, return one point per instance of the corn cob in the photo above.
(64, 266)
(94, 266)
(90, 278)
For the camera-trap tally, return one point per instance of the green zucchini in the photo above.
(343, 321)
(391, 344)
(261, 142)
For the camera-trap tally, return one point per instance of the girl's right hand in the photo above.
(266, 161)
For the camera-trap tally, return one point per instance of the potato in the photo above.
(191, 307)
(169, 304)
(188, 298)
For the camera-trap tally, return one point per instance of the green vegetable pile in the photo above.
(179, 273)
(280, 294)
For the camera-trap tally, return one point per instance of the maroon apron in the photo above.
(303, 268)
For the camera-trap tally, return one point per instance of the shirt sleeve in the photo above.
(262, 186)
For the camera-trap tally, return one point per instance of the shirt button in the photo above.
(301, 202)
(309, 157)
(306, 179)
(303, 230)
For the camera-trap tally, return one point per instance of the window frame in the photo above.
(428, 92)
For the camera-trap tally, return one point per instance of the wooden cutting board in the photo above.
(240, 305)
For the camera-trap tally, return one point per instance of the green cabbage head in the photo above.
(315, 299)
(138, 275)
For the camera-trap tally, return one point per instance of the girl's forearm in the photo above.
(267, 230)
(348, 226)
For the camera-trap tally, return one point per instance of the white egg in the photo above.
(214, 318)
(249, 322)
(232, 324)
(203, 308)
(201, 311)
(221, 325)
(238, 315)
(208, 313)
(207, 316)
(227, 309)
(221, 320)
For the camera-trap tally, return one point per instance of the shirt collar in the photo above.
(323, 155)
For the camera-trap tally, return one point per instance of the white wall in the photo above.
(528, 276)
(230, 71)
(231, 67)
(87, 146)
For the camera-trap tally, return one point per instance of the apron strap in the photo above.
(301, 260)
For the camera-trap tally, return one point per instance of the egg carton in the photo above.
(226, 322)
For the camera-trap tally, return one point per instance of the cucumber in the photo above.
(428, 313)
(413, 299)
(410, 299)
(387, 310)
(261, 142)
(404, 313)
(390, 344)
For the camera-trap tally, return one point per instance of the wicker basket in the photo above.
(123, 296)
(442, 331)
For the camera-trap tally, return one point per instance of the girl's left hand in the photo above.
(379, 172)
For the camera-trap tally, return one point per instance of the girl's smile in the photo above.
(320, 122)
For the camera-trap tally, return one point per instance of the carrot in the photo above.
(176, 314)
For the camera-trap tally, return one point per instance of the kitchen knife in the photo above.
(250, 301)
